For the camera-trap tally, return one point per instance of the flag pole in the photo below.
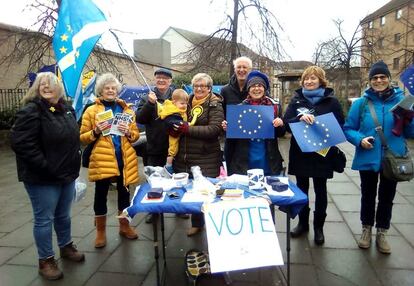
(125, 53)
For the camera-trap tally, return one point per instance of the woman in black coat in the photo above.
(45, 138)
(313, 99)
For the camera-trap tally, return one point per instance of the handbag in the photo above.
(338, 160)
(394, 167)
(86, 154)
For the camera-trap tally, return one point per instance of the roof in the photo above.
(387, 8)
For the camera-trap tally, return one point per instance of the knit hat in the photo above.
(256, 77)
(379, 68)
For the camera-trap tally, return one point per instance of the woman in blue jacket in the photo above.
(360, 131)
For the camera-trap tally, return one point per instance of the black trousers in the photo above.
(156, 160)
(386, 193)
(101, 194)
(321, 197)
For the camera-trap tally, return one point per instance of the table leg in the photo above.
(163, 238)
(155, 217)
(288, 244)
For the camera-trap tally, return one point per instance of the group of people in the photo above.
(185, 130)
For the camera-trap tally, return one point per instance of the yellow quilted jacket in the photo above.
(103, 163)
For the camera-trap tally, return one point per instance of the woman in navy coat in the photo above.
(313, 99)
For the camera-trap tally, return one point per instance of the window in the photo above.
(382, 20)
(380, 43)
(398, 14)
(397, 38)
(396, 63)
(371, 24)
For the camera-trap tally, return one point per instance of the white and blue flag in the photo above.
(79, 26)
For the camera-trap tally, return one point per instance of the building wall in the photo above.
(15, 75)
(179, 45)
(380, 41)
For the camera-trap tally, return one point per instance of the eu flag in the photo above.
(250, 121)
(79, 26)
(323, 133)
(407, 78)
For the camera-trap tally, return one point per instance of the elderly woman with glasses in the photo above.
(199, 144)
(360, 131)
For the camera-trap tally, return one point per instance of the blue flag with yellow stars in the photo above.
(323, 133)
(407, 78)
(79, 26)
(250, 121)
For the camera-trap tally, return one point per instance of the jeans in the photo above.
(386, 194)
(51, 205)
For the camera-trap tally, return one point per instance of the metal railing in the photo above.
(10, 99)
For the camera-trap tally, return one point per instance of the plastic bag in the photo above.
(80, 185)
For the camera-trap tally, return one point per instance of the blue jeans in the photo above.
(51, 205)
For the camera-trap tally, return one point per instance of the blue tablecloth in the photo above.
(294, 203)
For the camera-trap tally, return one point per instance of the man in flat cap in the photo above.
(155, 129)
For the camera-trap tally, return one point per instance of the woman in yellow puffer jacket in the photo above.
(113, 159)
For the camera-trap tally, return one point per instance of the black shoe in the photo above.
(299, 230)
(148, 218)
(319, 237)
(183, 216)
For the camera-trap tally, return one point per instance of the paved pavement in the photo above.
(338, 262)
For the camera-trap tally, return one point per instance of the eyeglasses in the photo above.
(200, 86)
(381, 77)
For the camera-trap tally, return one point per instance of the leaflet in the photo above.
(106, 117)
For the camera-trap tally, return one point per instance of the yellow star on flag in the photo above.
(64, 38)
(63, 50)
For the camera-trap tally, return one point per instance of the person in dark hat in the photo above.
(155, 129)
(312, 99)
(360, 130)
(257, 153)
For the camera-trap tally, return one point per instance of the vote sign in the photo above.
(241, 235)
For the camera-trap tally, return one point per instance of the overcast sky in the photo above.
(305, 23)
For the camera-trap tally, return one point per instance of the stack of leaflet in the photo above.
(232, 193)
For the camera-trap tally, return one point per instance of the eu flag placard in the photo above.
(250, 121)
(323, 133)
(407, 78)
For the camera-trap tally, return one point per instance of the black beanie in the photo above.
(379, 68)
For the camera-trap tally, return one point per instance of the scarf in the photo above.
(313, 96)
(264, 100)
(382, 94)
(197, 102)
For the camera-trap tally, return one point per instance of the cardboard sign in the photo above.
(241, 235)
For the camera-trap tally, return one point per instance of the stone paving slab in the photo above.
(338, 262)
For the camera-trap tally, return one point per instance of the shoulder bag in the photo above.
(394, 167)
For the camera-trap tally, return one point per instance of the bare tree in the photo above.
(258, 26)
(340, 53)
(36, 46)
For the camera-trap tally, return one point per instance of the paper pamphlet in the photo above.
(120, 117)
(107, 117)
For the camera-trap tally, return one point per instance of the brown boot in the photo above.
(48, 269)
(100, 222)
(70, 252)
(125, 230)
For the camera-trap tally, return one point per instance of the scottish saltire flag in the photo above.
(407, 78)
(250, 121)
(79, 26)
(323, 133)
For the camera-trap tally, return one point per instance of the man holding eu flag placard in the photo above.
(310, 153)
(255, 124)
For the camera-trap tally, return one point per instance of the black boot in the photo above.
(303, 225)
(318, 222)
